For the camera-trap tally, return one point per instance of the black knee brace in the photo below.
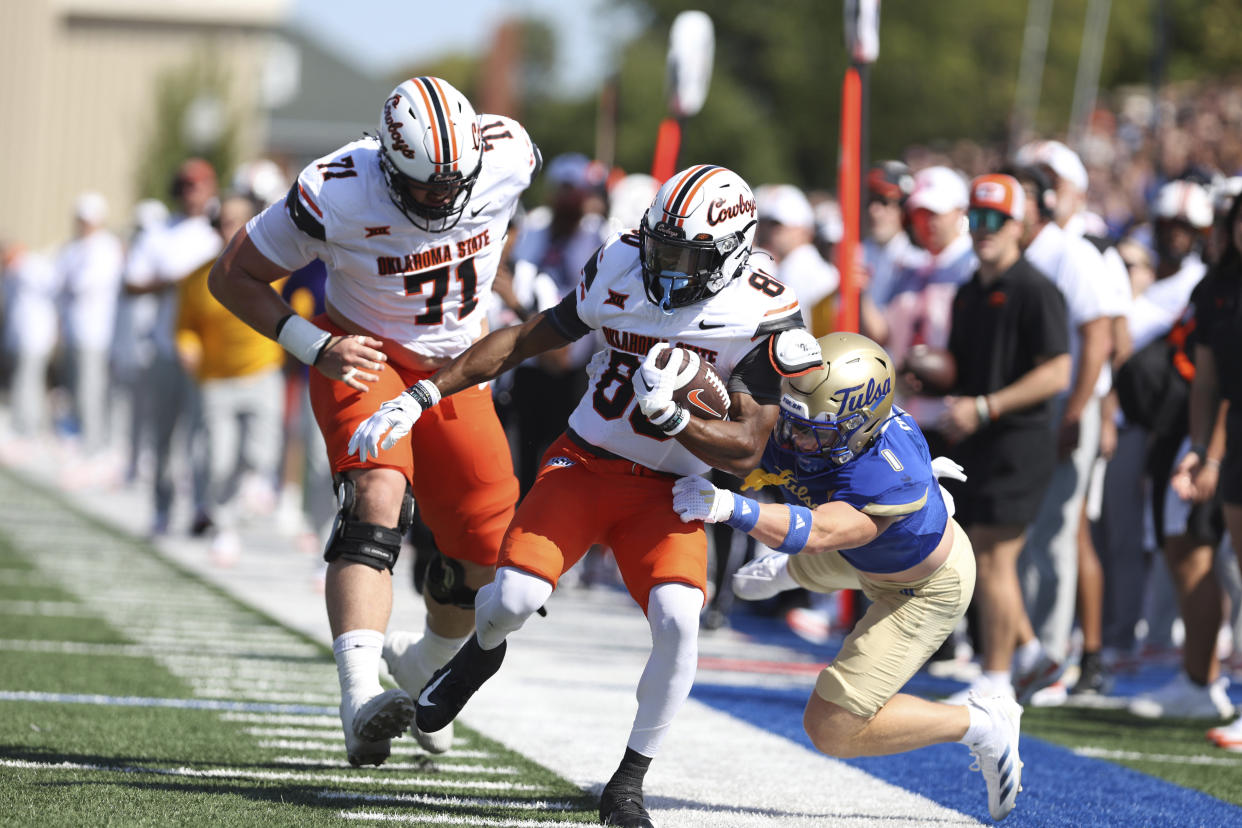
(446, 582)
(366, 543)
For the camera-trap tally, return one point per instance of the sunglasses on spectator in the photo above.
(985, 219)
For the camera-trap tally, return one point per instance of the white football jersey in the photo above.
(611, 298)
(428, 291)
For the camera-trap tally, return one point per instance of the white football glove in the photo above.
(394, 418)
(598, 364)
(764, 577)
(654, 386)
(694, 498)
(944, 467)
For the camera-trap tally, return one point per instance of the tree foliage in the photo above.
(201, 80)
(948, 71)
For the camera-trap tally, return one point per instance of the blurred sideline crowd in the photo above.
(1109, 546)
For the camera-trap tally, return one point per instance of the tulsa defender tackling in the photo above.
(863, 511)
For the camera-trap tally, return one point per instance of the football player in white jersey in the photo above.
(682, 281)
(410, 225)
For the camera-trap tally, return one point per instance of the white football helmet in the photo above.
(696, 235)
(1186, 201)
(431, 151)
(831, 414)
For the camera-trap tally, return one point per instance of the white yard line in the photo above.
(395, 779)
(1166, 758)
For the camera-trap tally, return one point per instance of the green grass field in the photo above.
(134, 693)
(98, 644)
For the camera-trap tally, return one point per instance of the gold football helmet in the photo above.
(834, 412)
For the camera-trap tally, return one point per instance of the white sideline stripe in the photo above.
(282, 718)
(1170, 758)
(147, 650)
(278, 776)
(448, 801)
(241, 692)
(441, 819)
(141, 701)
(59, 609)
(408, 750)
(334, 743)
(308, 762)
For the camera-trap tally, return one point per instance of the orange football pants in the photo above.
(580, 499)
(456, 457)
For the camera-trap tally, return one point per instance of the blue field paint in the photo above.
(1059, 787)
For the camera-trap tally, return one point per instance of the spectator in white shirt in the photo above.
(90, 269)
(157, 265)
(787, 232)
(30, 288)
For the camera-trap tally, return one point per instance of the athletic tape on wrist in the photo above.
(424, 393)
(303, 339)
(745, 513)
(799, 530)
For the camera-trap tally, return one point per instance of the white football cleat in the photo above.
(764, 577)
(997, 755)
(370, 726)
(1181, 698)
(401, 654)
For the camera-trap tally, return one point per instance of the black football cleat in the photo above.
(623, 805)
(450, 687)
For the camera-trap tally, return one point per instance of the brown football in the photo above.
(928, 370)
(703, 392)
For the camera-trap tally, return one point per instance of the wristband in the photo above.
(424, 393)
(1212, 462)
(745, 513)
(799, 530)
(672, 421)
(981, 408)
(301, 338)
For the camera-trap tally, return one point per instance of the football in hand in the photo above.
(702, 392)
(929, 371)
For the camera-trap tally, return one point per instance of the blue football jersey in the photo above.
(892, 477)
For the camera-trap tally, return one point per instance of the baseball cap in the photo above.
(891, 180)
(1056, 156)
(91, 208)
(999, 192)
(938, 189)
(785, 204)
(1185, 201)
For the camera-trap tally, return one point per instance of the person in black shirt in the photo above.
(1212, 468)
(1010, 339)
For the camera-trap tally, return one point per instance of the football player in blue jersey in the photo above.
(863, 510)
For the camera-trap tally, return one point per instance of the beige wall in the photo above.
(77, 82)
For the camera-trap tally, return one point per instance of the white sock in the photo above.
(1026, 656)
(434, 651)
(357, 655)
(980, 726)
(997, 681)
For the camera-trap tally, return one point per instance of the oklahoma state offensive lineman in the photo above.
(410, 226)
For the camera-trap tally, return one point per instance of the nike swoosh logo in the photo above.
(707, 326)
(424, 698)
(694, 397)
(474, 213)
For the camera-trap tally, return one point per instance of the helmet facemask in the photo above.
(448, 195)
(678, 272)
